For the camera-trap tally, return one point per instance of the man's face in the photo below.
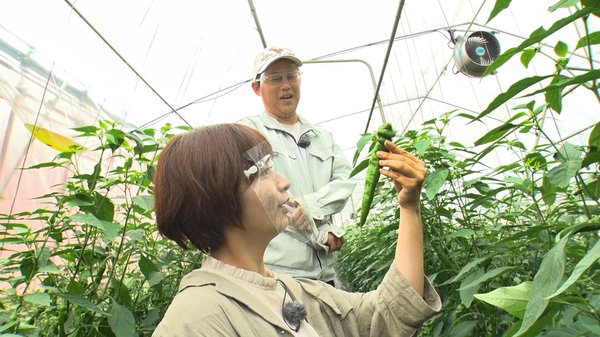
(280, 100)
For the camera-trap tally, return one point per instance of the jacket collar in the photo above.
(232, 290)
(271, 123)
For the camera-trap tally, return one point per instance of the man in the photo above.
(309, 157)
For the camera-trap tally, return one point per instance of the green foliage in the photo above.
(92, 263)
(512, 249)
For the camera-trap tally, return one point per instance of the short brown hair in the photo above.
(198, 183)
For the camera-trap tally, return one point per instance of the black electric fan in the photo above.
(474, 53)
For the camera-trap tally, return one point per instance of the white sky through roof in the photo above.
(202, 52)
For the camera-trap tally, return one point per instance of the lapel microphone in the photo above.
(304, 141)
(293, 312)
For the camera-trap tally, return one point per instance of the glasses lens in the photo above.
(274, 78)
(293, 76)
(277, 78)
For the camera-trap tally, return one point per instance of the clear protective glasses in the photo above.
(267, 192)
(277, 78)
(260, 166)
(283, 210)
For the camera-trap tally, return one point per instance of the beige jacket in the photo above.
(211, 305)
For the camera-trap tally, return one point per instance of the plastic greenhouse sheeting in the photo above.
(136, 62)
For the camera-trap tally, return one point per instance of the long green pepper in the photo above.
(385, 132)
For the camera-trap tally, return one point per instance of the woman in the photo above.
(215, 188)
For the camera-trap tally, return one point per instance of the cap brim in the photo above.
(268, 64)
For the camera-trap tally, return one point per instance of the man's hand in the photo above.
(297, 218)
(334, 243)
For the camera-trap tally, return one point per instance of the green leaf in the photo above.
(499, 6)
(120, 292)
(109, 229)
(466, 293)
(363, 165)
(562, 174)
(593, 154)
(28, 266)
(89, 129)
(592, 39)
(512, 299)
(42, 299)
(535, 160)
(461, 233)
(594, 138)
(549, 191)
(467, 268)
(121, 321)
(151, 320)
(495, 134)
(591, 157)
(434, 182)
(146, 202)
(139, 143)
(514, 89)
(364, 140)
(553, 97)
(89, 219)
(566, 81)
(563, 4)
(81, 301)
(42, 165)
(527, 55)
(422, 145)
(150, 271)
(115, 138)
(545, 283)
(462, 329)
(587, 261)
(592, 189)
(102, 207)
(488, 275)
(537, 36)
(569, 152)
(561, 49)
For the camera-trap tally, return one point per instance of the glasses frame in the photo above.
(265, 162)
(290, 76)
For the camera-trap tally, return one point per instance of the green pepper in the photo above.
(385, 132)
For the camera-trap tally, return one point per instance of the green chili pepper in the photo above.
(385, 132)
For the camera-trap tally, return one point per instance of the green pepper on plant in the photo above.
(385, 132)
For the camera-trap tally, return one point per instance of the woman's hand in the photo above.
(407, 171)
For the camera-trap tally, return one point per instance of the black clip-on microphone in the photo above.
(304, 141)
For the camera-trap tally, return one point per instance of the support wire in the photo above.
(126, 63)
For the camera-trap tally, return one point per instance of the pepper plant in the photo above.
(513, 248)
(91, 263)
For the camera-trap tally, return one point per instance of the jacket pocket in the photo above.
(323, 153)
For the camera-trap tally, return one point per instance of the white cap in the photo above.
(270, 55)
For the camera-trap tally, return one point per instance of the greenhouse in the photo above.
(499, 100)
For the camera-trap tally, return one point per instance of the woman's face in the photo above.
(263, 201)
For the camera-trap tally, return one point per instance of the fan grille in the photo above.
(481, 49)
(474, 53)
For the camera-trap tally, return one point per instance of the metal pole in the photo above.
(255, 16)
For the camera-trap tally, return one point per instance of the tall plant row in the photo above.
(512, 248)
(91, 263)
